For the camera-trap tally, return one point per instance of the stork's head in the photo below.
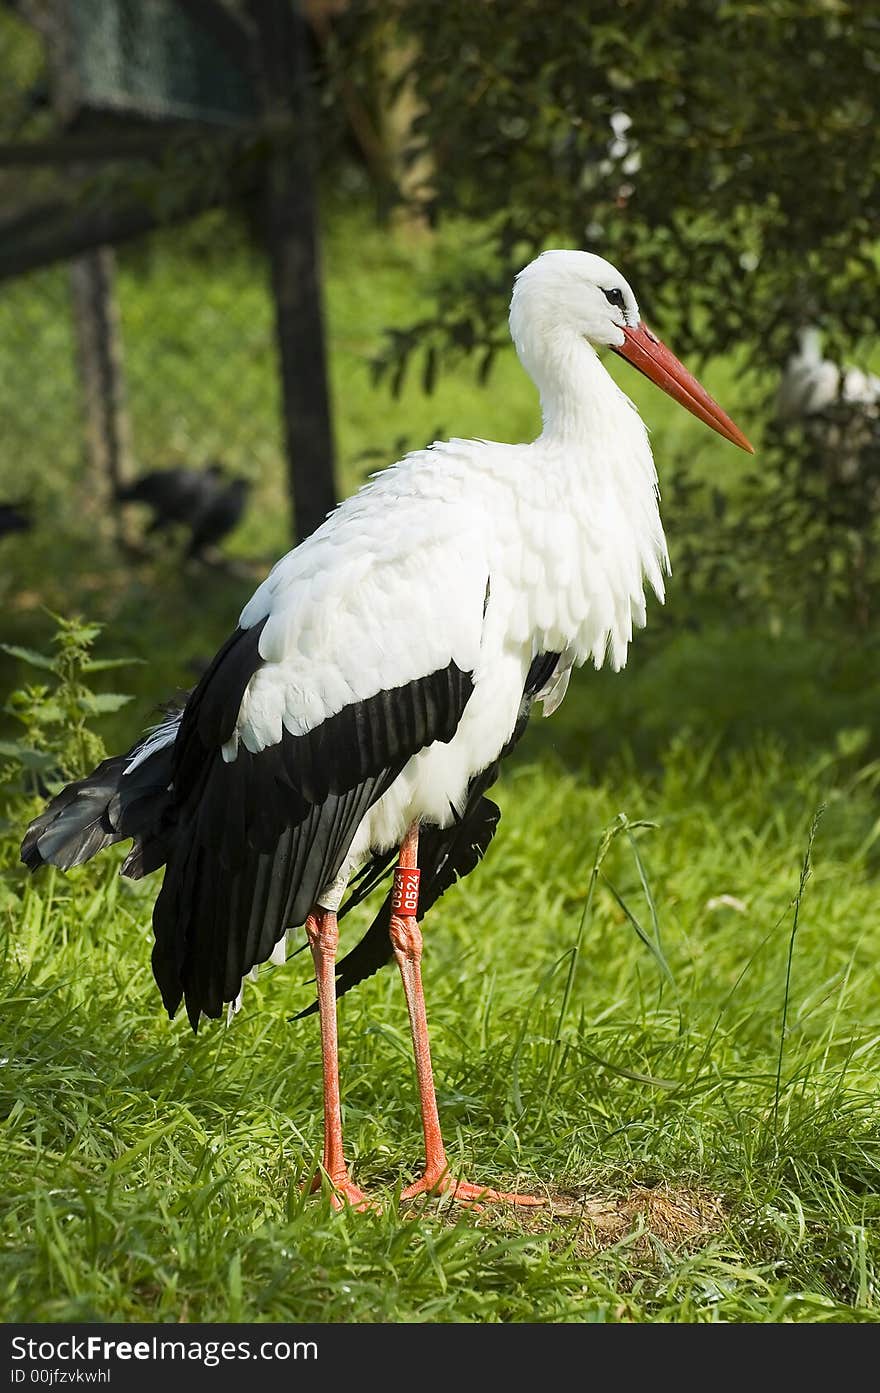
(565, 292)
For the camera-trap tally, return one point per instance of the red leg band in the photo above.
(405, 892)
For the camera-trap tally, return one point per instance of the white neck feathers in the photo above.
(594, 451)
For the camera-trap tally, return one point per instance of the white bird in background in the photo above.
(379, 675)
(810, 384)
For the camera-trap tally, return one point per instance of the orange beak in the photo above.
(645, 351)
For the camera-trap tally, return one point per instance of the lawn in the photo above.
(683, 1057)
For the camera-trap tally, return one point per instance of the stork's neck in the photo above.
(591, 516)
(810, 344)
(578, 395)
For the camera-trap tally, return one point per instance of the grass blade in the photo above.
(805, 875)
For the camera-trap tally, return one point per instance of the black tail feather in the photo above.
(107, 806)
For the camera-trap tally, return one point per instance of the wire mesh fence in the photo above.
(175, 361)
(197, 359)
(41, 435)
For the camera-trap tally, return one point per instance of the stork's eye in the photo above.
(615, 297)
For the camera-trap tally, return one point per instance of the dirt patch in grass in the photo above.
(678, 1217)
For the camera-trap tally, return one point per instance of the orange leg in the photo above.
(323, 935)
(406, 939)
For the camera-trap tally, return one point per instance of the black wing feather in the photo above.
(249, 844)
(257, 838)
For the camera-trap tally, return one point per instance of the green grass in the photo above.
(153, 1175)
(623, 1055)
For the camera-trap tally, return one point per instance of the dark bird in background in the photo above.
(202, 500)
(14, 518)
(219, 515)
(174, 495)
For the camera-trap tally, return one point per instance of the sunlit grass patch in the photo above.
(154, 1175)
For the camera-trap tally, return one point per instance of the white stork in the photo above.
(378, 676)
(810, 384)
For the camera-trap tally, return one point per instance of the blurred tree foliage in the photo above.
(724, 153)
(804, 537)
(727, 152)
(727, 155)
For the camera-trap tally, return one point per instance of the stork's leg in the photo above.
(406, 939)
(323, 935)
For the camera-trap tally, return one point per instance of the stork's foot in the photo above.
(473, 1196)
(344, 1192)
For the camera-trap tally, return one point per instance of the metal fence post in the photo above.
(292, 242)
(99, 356)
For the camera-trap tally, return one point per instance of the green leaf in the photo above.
(29, 655)
(30, 758)
(103, 703)
(105, 664)
(49, 712)
(80, 633)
